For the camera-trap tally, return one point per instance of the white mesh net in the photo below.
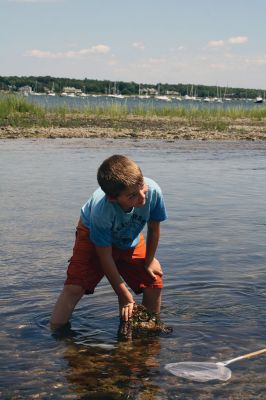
(200, 371)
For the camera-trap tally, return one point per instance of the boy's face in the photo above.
(134, 196)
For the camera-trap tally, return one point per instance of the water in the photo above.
(212, 249)
(132, 103)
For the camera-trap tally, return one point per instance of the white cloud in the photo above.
(203, 58)
(112, 61)
(218, 66)
(151, 64)
(176, 49)
(156, 61)
(238, 40)
(231, 40)
(257, 61)
(216, 43)
(138, 45)
(94, 50)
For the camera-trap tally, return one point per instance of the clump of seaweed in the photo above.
(142, 323)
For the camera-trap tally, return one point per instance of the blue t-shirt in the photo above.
(110, 225)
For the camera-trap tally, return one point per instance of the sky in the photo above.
(209, 42)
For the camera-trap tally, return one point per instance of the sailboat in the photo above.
(115, 93)
(141, 95)
(161, 97)
(51, 92)
(192, 95)
(34, 92)
(258, 100)
(218, 98)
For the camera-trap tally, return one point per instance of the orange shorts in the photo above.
(85, 270)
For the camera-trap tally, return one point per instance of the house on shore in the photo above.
(71, 91)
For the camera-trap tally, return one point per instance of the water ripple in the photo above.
(212, 250)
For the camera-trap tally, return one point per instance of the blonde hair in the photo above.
(117, 173)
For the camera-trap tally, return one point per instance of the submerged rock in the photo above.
(142, 322)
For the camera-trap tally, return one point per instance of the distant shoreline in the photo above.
(139, 127)
(22, 119)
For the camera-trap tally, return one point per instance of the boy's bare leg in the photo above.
(66, 302)
(152, 299)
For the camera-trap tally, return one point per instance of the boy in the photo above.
(109, 241)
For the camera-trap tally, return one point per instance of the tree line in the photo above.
(42, 84)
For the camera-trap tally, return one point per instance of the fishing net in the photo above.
(200, 371)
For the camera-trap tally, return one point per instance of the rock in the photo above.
(142, 322)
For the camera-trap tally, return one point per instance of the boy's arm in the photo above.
(126, 301)
(153, 235)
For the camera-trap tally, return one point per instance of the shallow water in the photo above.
(212, 248)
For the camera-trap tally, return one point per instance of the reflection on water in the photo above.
(124, 371)
(212, 249)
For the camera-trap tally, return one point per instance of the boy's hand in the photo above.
(126, 305)
(154, 268)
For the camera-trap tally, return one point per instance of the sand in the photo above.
(142, 127)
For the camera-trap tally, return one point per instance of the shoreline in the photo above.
(142, 128)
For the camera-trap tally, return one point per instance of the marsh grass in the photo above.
(16, 111)
(19, 112)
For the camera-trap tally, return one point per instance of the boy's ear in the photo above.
(112, 199)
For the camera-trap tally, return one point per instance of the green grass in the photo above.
(17, 111)
(191, 113)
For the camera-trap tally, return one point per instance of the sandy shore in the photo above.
(143, 127)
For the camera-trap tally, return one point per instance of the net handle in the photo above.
(248, 355)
